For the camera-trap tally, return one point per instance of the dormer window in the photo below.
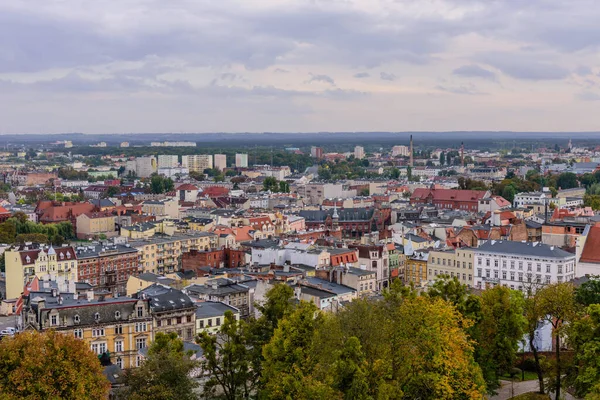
(68, 255)
(62, 256)
(97, 317)
(76, 319)
(27, 259)
(117, 314)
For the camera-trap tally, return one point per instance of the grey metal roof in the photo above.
(209, 309)
(523, 248)
(165, 298)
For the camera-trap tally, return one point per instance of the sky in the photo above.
(132, 66)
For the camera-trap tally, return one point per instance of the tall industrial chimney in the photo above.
(411, 151)
(462, 154)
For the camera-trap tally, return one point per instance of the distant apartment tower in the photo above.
(400, 151)
(241, 160)
(316, 152)
(173, 144)
(220, 161)
(359, 152)
(197, 162)
(124, 144)
(168, 161)
(145, 166)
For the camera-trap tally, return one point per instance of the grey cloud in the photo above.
(525, 67)
(583, 70)
(387, 76)
(588, 96)
(474, 71)
(462, 89)
(281, 71)
(321, 78)
(361, 75)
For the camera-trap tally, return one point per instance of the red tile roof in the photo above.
(591, 250)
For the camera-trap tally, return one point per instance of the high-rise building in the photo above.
(359, 152)
(316, 152)
(400, 151)
(197, 162)
(220, 161)
(145, 166)
(241, 160)
(168, 161)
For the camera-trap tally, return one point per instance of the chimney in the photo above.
(411, 151)
(462, 154)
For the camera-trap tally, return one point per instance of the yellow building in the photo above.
(169, 208)
(211, 314)
(91, 225)
(25, 262)
(162, 254)
(118, 327)
(200, 224)
(415, 270)
(453, 263)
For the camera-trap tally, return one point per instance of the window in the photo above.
(97, 332)
(119, 330)
(487, 262)
(99, 348)
(560, 269)
(479, 272)
(539, 267)
(78, 333)
(512, 265)
(548, 268)
(119, 362)
(118, 346)
(478, 261)
(138, 361)
(503, 274)
(487, 273)
(210, 322)
(54, 320)
(140, 343)
(520, 265)
(547, 279)
(528, 267)
(97, 317)
(496, 274)
(201, 323)
(117, 314)
(189, 318)
(140, 327)
(218, 323)
(178, 320)
(496, 263)
(140, 311)
(512, 276)
(520, 277)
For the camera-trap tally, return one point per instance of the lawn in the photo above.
(529, 376)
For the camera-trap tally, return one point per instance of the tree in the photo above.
(592, 200)
(567, 180)
(112, 191)
(409, 172)
(587, 179)
(228, 360)
(284, 187)
(164, 374)
(584, 338)
(50, 365)
(288, 369)
(394, 173)
(509, 193)
(442, 158)
(197, 175)
(533, 315)
(498, 332)
(159, 184)
(557, 304)
(589, 292)
(457, 294)
(270, 184)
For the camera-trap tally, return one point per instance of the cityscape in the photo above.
(292, 199)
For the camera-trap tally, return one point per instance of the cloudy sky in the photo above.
(103, 66)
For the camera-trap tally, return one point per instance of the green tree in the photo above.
(584, 338)
(442, 158)
(592, 200)
(112, 191)
(498, 332)
(284, 187)
(533, 316)
(164, 374)
(394, 173)
(228, 360)
(271, 184)
(557, 304)
(50, 365)
(509, 193)
(567, 180)
(588, 293)
(197, 175)
(587, 179)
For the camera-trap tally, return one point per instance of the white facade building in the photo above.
(171, 172)
(145, 166)
(220, 161)
(241, 160)
(522, 199)
(521, 265)
(197, 162)
(400, 151)
(168, 161)
(359, 152)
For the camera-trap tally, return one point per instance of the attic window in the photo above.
(117, 314)
(97, 317)
(68, 255)
(62, 256)
(76, 319)
(27, 259)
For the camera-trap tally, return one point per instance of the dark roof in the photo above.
(102, 203)
(154, 278)
(165, 298)
(217, 287)
(100, 250)
(209, 309)
(262, 243)
(523, 248)
(345, 215)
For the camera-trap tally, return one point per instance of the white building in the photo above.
(197, 162)
(173, 144)
(168, 161)
(172, 172)
(220, 161)
(124, 144)
(145, 166)
(359, 152)
(241, 160)
(521, 265)
(522, 199)
(400, 151)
